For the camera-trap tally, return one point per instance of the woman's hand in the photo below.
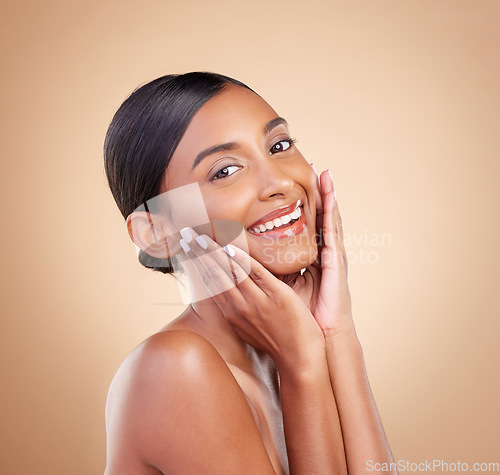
(362, 431)
(271, 317)
(265, 312)
(323, 285)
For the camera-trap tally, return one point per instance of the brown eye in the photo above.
(223, 172)
(281, 146)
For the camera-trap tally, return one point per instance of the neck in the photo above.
(206, 318)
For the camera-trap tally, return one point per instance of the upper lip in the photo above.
(277, 213)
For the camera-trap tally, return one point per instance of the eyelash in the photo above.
(289, 141)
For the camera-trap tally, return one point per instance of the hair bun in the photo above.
(155, 263)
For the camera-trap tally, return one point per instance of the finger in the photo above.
(229, 300)
(338, 233)
(253, 278)
(319, 212)
(242, 299)
(217, 263)
(317, 193)
(205, 245)
(239, 276)
(339, 228)
(212, 266)
(326, 185)
(338, 223)
(322, 190)
(329, 187)
(207, 276)
(333, 254)
(238, 268)
(329, 225)
(326, 182)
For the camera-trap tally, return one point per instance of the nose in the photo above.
(273, 181)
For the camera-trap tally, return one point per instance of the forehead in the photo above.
(231, 114)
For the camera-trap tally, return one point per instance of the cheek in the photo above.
(306, 178)
(226, 215)
(310, 182)
(303, 172)
(231, 202)
(224, 209)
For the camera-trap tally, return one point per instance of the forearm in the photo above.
(363, 433)
(312, 427)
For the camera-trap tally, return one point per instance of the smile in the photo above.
(285, 225)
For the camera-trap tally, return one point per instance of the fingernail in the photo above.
(330, 173)
(314, 168)
(230, 250)
(202, 242)
(186, 234)
(334, 195)
(185, 245)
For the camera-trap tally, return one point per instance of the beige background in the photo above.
(399, 98)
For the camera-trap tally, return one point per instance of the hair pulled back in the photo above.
(143, 136)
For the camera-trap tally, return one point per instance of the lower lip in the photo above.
(286, 231)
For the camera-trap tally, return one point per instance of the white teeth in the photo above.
(295, 214)
(276, 222)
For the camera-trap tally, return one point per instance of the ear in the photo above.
(152, 235)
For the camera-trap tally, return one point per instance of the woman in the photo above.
(263, 371)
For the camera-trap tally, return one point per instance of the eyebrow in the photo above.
(273, 123)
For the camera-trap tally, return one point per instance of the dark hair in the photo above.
(144, 133)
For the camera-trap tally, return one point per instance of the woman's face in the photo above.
(260, 177)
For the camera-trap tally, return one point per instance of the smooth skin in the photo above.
(268, 376)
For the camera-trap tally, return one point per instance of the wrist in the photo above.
(343, 329)
(310, 364)
(343, 338)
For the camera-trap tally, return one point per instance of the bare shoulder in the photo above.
(166, 353)
(173, 393)
(165, 358)
(172, 351)
(165, 363)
